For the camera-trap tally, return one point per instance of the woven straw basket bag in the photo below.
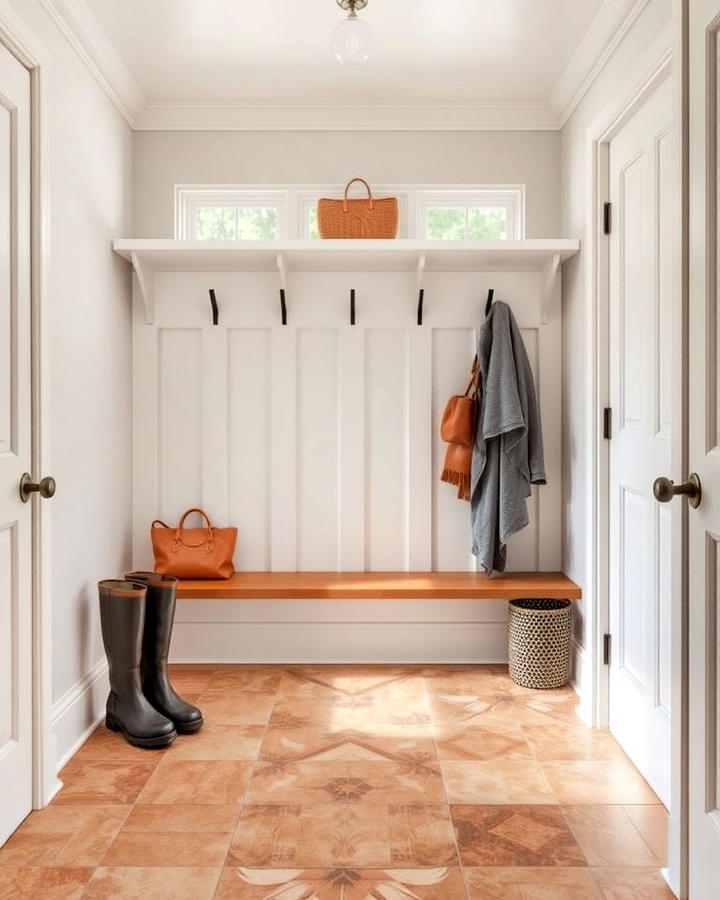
(539, 633)
(368, 217)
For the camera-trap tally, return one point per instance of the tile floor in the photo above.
(350, 783)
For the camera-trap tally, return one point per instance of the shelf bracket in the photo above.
(282, 277)
(420, 287)
(146, 282)
(548, 278)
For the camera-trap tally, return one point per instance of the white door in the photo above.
(704, 452)
(642, 290)
(15, 447)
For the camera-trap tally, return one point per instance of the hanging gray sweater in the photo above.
(508, 452)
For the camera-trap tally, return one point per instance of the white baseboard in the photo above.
(348, 642)
(79, 711)
(581, 681)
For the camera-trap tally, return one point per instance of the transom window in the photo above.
(237, 213)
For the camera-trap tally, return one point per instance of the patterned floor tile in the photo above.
(496, 781)
(515, 836)
(482, 742)
(571, 741)
(531, 883)
(632, 884)
(343, 834)
(236, 708)
(161, 848)
(342, 884)
(229, 742)
(160, 883)
(105, 782)
(219, 782)
(598, 782)
(43, 884)
(608, 837)
(64, 836)
(347, 782)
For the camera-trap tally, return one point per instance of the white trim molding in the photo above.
(82, 30)
(92, 45)
(79, 711)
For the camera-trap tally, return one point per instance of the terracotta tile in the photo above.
(138, 883)
(159, 848)
(531, 883)
(347, 782)
(43, 884)
(515, 836)
(481, 742)
(302, 741)
(632, 884)
(183, 819)
(236, 707)
(343, 834)
(463, 680)
(64, 836)
(496, 781)
(307, 680)
(462, 710)
(598, 782)
(109, 746)
(341, 884)
(104, 782)
(187, 678)
(544, 707)
(264, 679)
(572, 741)
(652, 823)
(232, 742)
(608, 837)
(189, 782)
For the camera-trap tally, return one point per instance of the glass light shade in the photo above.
(352, 40)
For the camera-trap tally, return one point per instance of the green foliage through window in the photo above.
(459, 223)
(237, 223)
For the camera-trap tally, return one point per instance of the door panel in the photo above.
(704, 453)
(15, 446)
(641, 279)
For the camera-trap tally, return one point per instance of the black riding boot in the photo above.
(122, 617)
(159, 617)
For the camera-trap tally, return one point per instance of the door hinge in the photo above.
(607, 218)
(607, 423)
(607, 640)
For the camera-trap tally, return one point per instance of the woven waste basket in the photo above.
(539, 633)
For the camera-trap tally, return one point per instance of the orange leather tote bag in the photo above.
(193, 552)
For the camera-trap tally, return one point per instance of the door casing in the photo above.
(662, 61)
(20, 41)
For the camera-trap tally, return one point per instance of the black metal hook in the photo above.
(421, 297)
(283, 306)
(213, 303)
(352, 306)
(488, 302)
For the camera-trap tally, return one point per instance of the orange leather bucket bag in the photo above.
(193, 552)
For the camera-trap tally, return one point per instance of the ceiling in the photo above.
(509, 57)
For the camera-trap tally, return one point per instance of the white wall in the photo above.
(162, 159)
(612, 85)
(89, 299)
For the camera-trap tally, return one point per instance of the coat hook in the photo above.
(352, 306)
(420, 287)
(489, 301)
(283, 306)
(213, 303)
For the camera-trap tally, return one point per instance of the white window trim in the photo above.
(294, 201)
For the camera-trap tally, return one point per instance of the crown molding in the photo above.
(89, 41)
(607, 30)
(235, 117)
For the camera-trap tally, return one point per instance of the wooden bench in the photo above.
(382, 586)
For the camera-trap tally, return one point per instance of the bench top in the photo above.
(383, 586)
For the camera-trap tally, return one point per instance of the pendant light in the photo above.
(352, 39)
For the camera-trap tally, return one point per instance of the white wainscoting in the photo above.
(319, 441)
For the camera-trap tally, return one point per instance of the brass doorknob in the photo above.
(665, 489)
(45, 487)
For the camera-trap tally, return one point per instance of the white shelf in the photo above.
(159, 255)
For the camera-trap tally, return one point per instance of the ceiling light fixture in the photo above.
(352, 39)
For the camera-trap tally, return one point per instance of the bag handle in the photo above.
(179, 529)
(347, 188)
(474, 378)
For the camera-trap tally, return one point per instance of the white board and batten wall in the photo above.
(320, 441)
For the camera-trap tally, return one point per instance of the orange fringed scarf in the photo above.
(458, 430)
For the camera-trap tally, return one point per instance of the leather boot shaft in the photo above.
(122, 619)
(159, 619)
